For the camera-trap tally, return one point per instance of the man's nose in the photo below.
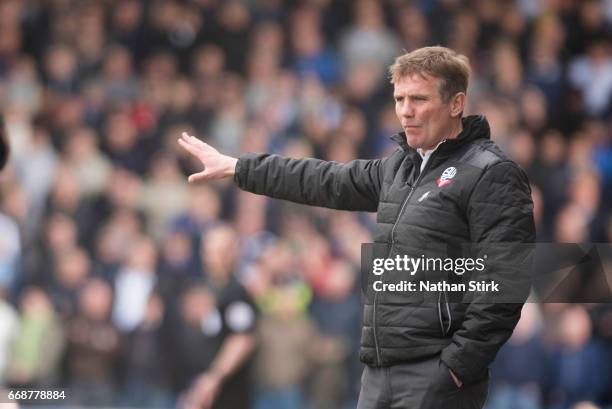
(407, 109)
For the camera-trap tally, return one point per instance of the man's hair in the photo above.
(441, 62)
(4, 147)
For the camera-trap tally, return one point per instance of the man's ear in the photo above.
(457, 104)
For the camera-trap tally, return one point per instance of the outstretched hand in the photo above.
(216, 165)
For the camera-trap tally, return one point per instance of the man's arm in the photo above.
(233, 353)
(500, 210)
(351, 186)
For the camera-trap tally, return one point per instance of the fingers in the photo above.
(189, 147)
(188, 138)
(200, 150)
(198, 177)
(194, 141)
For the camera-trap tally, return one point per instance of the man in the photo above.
(216, 339)
(446, 183)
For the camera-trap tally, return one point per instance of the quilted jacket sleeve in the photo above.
(352, 186)
(500, 210)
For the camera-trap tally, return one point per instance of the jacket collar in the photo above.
(474, 127)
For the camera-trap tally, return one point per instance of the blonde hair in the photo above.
(441, 62)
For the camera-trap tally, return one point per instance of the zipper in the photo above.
(378, 360)
(412, 188)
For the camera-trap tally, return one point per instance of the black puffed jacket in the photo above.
(484, 197)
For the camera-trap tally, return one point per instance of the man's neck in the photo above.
(456, 129)
(424, 152)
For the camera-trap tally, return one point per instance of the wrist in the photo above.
(231, 166)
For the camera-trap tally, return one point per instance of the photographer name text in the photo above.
(412, 286)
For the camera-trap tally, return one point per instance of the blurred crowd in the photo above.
(113, 269)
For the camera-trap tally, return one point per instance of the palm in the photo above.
(216, 165)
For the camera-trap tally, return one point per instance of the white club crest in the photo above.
(448, 173)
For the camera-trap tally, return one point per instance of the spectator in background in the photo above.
(282, 363)
(506, 70)
(134, 284)
(580, 367)
(91, 39)
(546, 72)
(91, 168)
(231, 30)
(61, 68)
(71, 269)
(177, 264)
(215, 343)
(592, 74)
(117, 77)
(128, 28)
(520, 369)
(93, 347)
(9, 327)
(145, 361)
(229, 123)
(368, 40)
(413, 27)
(181, 105)
(601, 154)
(335, 307)
(10, 253)
(589, 24)
(39, 344)
(201, 212)
(24, 92)
(164, 181)
(551, 173)
(115, 237)
(58, 233)
(123, 143)
(310, 55)
(66, 197)
(36, 166)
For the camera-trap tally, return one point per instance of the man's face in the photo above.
(219, 252)
(426, 119)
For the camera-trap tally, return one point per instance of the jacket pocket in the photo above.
(445, 379)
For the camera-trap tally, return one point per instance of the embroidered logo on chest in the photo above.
(447, 176)
(423, 197)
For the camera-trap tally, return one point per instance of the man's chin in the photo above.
(413, 142)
